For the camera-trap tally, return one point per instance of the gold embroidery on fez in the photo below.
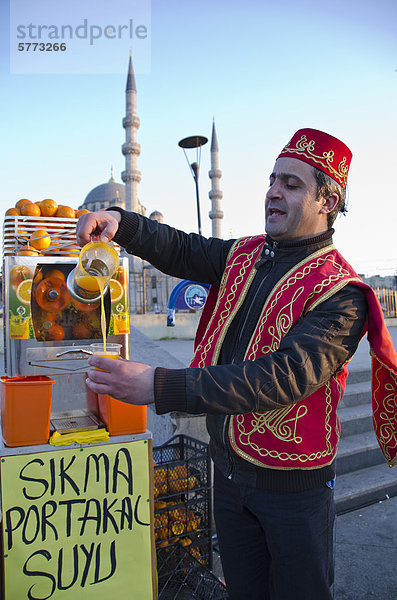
(343, 167)
(325, 159)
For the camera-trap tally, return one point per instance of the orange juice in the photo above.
(97, 263)
(93, 283)
(88, 282)
(112, 350)
(106, 354)
(102, 283)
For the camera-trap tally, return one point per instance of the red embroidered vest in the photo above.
(304, 434)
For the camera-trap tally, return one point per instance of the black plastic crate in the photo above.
(182, 509)
(182, 466)
(189, 580)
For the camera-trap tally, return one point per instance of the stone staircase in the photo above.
(363, 476)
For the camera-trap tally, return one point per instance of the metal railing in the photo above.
(150, 290)
(388, 301)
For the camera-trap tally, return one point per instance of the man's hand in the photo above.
(131, 382)
(103, 224)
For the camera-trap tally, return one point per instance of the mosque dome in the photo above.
(105, 195)
(157, 216)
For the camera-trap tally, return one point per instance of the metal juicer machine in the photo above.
(46, 330)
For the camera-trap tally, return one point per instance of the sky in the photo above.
(262, 69)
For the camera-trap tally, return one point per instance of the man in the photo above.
(284, 315)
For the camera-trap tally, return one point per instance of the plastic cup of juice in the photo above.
(112, 350)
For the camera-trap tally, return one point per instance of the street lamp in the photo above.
(194, 141)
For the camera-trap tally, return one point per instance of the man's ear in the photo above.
(328, 203)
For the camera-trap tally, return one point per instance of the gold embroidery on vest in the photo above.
(283, 285)
(386, 436)
(328, 412)
(332, 291)
(284, 322)
(247, 262)
(277, 422)
(284, 456)
(337, 422)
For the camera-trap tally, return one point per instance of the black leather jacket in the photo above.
(313, 351)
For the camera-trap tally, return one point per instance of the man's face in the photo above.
(292, 210)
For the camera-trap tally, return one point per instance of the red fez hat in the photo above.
(322, 151)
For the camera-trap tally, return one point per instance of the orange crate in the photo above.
(25, 410)
(121, 418)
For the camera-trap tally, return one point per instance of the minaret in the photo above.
(215, 194)
(131, 149)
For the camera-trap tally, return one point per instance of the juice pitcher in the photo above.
(98, 261)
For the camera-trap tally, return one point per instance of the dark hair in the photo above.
(327, 186)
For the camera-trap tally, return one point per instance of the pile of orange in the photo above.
(173, 481)
(174, 524)
(44, 208)
(42, 240)
(175, 521)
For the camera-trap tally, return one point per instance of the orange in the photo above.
(82, 331)
(55, 332)
(21, 202)
(81, 211)
(28, 253)
(83, 307)
(24, 290)
(13, 212)
(22, 233)
(30, 210)
(66, 212)
(120, 275)
(116, 290)
(71, 251)
(38, 277)
(55, 273)
(48, 207)
(18, 274)
(52, 295)
(55, 242)
(40, 239)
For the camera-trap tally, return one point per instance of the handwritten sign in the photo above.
(76, 523)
